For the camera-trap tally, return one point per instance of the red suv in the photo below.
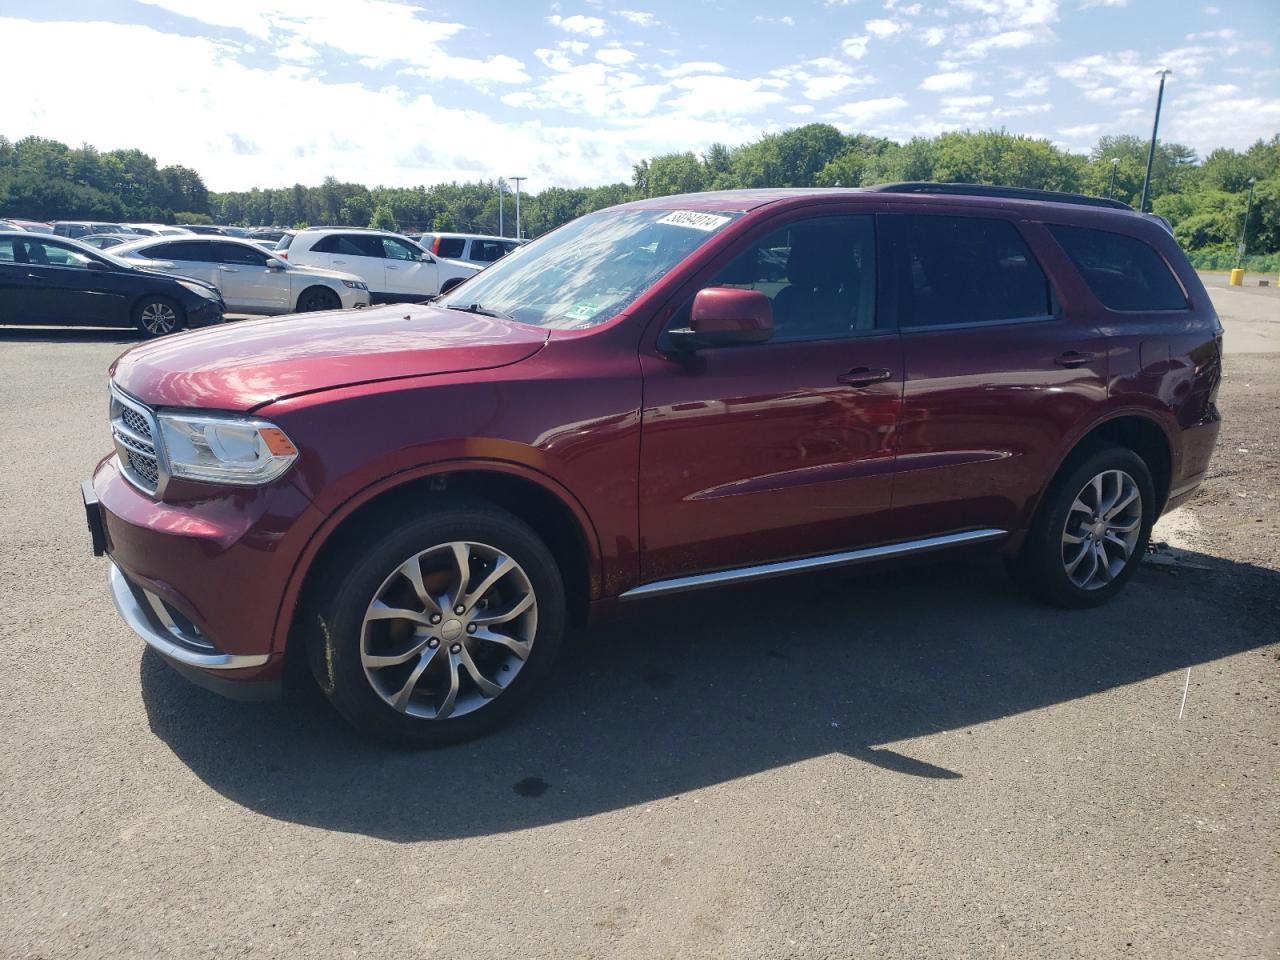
(656, 398)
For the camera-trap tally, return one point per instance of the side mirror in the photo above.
(726, 317)
(274, 264)
(98, 265)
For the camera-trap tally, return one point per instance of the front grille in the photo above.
(133, 428)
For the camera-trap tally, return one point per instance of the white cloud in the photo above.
(693, 66)
(615, 56)
(864, 111)
(801, 108)
(719, 96)
(579, 24)
(1089, 4)
(781, 21)
(883, 29)
(639, 17)
(932, 36)
(855, 47)
(964, 103)
(943, 82)
(377, 32)
(1034, 86)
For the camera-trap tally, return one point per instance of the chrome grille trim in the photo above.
(134, 431)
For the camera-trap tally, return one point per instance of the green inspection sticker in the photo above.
(583, 310)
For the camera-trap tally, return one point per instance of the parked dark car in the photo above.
(643, 403)
(105, 241)
(47, 280)
(75, 229)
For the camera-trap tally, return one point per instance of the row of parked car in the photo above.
(162, 278)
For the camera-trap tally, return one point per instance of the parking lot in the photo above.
(920, 763)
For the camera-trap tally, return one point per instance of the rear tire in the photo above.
(313, 299)
(158, 316)
(1091, 530)
(390, 649)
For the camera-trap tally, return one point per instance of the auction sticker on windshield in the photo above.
(696, 221)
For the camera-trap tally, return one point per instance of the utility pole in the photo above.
(1151, 152)
(1115, 162)
(502, 188)
(517, 180)
(1248, 206)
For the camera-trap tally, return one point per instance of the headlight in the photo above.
(355, 284)
(199, 289)
(225, 449)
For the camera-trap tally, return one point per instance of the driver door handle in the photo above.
(1074, 358)
(865, 376)
(228, 269)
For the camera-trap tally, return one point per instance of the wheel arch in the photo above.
(315, 286)
(550, 509)
(450, 284)
(1134, 429)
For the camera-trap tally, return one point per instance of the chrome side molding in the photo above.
(784, 567)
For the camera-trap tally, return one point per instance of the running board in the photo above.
(784, 567)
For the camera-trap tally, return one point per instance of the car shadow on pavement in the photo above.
(120, 335)
(707, 688)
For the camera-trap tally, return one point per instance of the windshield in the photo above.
(588, 270)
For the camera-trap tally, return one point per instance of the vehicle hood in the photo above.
(240, 366)
(306, 271)
(463, 264)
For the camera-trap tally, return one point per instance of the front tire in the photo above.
(440, 628)
(313, 299)
(1091, 530)
(158, 316)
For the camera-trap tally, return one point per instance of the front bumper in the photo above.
(205, 313)
(201, 580)
(170, 635)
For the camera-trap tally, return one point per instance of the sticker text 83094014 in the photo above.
(695, 220)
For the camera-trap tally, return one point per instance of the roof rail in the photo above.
(1007, 193)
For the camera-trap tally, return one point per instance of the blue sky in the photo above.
(269, 92)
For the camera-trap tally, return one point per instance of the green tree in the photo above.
(383, 219)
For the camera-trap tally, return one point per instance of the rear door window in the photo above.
(965, 270)
(1123, 272)
(451, 247)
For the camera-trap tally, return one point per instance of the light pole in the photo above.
(1115, 162)
(517, 180)
(1151, 152)
(1248, 205)
(502, 188)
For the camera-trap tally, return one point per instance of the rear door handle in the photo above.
(339, 261)
(1074, 358)
(228, 269)
(864, 376)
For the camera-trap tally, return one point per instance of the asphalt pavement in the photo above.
(919, 763)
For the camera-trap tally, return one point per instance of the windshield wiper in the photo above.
(483, 311)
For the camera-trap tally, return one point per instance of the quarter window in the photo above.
(349, 245)
(1125, 273)
(820, 276)
(965, 270)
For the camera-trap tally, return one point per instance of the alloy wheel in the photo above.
(449, 630)
(159, 318)
(1102, 529)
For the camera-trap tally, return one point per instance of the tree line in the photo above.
(1204, 198)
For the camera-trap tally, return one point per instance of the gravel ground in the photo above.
(916, 764)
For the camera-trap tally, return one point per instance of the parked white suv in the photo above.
(475, 248)
(250, 279)
(395, 268)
